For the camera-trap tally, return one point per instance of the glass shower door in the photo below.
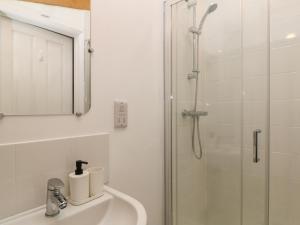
(255, 112)
(222, 85)
(228, 185)
(189, 190)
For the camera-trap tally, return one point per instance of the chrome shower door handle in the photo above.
(255, 145)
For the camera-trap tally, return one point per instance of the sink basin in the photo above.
(113, 208)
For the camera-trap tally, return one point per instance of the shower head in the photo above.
(209, 10)
(212, 7)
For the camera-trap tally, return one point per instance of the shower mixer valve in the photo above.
(193, 75)
(192, 113)
(195, 114)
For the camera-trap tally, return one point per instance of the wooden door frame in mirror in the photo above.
(77, 4)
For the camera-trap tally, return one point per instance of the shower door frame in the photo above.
(170, 164)
(168, 156)
(170, 124)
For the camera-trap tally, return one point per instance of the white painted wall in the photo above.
(127, 64)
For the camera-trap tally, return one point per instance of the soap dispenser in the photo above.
(79, 183)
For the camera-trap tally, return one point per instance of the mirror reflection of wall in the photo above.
(44, 58)
(36, 70)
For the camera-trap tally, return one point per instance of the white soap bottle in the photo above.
(79, 183)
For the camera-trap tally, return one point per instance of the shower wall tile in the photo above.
(285, 139)
(283, 9)
(254, 112)
(185, 89)
(215, 69)
(233, 66)
(228, 112)
(254, 109)
(285, 86)
(255, 88)
(284, 202)
(223, 169)
(285, 111)
(285, 59)
(222, 90)
(28, 166)
(255, 61)
(285, 166)
(229, 90)
(222, 85)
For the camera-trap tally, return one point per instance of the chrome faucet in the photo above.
(55, 199)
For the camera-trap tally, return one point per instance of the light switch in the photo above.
(121, 114)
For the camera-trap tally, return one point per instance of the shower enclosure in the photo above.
(232, 112)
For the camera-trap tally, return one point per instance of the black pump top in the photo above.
(79, 170)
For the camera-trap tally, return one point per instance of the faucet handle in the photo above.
(55, 184)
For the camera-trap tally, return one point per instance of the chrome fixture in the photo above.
(55, 199)
(193, 75)
(256, 158)
(191, 3)
(209, 10)
(195, 114)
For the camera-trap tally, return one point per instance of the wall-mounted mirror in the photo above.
(44, 57)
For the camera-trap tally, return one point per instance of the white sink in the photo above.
(113, 208)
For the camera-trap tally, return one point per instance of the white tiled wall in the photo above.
(235, 92)
(209, 191)
(235, 83)
(26, 167)
(255, 109)
(222, 85)
(285, 113)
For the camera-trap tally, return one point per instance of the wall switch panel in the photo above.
(121, 114)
